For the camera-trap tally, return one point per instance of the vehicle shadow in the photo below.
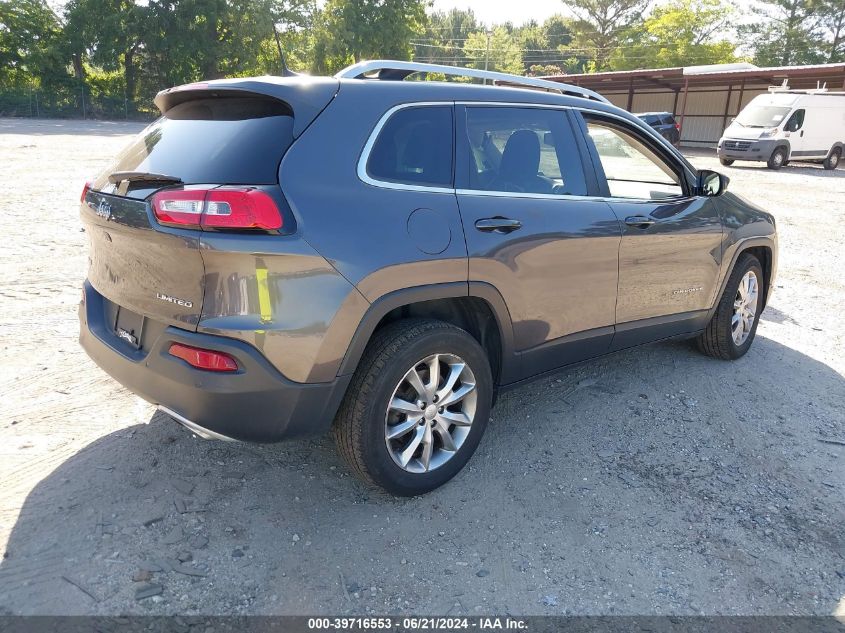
(793, 167)
(654, 477)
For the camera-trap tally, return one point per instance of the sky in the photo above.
(497, 11)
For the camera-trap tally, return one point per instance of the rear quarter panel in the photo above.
(278, 294)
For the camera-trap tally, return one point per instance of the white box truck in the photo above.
(785, 125)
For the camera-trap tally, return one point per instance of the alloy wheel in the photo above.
(745, 307)
(430, 413)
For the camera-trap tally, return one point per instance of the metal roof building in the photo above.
(703, 98)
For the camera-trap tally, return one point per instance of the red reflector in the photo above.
(220, 207)
(204, 358)
(85, 189)
(677, 126)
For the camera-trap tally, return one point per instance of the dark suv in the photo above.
(277, 257)
(665, 124)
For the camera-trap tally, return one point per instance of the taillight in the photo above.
(179, 207)
(220, 207)
(206, 359)
(677, 126)
(85, 189)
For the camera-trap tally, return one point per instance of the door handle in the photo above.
(802, 133)
(498, 225)
(640, 221)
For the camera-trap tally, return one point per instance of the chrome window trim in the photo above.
(397, 186)
(566, 196)
(531, 196)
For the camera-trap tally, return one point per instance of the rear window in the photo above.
(218, 140)
(414, 147)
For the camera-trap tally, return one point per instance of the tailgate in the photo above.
(156, 273)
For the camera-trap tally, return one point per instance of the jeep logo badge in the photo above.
(103, 210)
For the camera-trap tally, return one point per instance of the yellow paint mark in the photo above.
(264, 304)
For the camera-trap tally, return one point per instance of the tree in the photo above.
(833, 20)
(601, 25)
(30, 39)
(786, 32)
(543, 70)
(350, 30)
(110, 32)
(494, 50)
(444, 38)
(679, 33)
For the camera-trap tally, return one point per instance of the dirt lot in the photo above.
(656, 481)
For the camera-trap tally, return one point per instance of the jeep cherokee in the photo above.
(276, 257)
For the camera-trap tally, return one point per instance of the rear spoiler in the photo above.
(305, 96)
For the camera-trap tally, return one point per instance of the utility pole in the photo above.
(487, 55)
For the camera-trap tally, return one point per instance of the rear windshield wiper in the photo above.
(141, 176)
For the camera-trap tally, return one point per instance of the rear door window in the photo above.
(414, 147)
(523, 150)
(215, 140)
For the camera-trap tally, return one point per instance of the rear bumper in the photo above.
(255, 404)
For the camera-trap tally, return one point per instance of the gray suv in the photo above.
(379, 257)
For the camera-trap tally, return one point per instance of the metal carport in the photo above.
(703, 98)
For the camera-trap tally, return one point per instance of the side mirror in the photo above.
(712, 183)
(549, 139)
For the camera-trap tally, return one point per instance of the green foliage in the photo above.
(348, 31)
(833, 24)
(444, 36)
(497, 50)
(547, 45)
(544, 70)
(787, 32)
(30, 38)
(602, 25)
(680, 33)
(110, 57)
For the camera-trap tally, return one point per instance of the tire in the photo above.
(778, 158)
(365, 417)
(718, 339)
(727, 162)
(832, 160)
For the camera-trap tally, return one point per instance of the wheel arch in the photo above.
(477, 308)
(765, 250)
(784, 143)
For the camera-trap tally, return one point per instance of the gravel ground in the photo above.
(655, 481)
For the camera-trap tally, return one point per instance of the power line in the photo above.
(546, 50)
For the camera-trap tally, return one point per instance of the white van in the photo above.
(786, 125)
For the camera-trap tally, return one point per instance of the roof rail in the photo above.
(398, 70)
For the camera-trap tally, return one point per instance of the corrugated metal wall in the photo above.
(704, 120)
